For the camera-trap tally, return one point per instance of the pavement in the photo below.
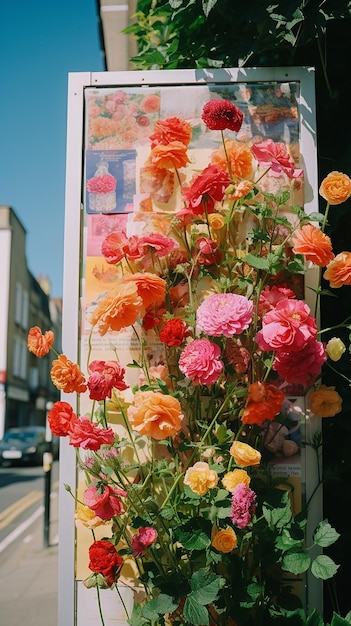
(29, 572)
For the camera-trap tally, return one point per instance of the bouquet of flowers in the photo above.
(187, 495)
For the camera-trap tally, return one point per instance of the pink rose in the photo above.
(105, 375)
(104, 501)
(205, 189)
(302, 367)
(143, 537)
(200, 362)
(287, 328)
(225, 314)
(270, 296)
(85, 434)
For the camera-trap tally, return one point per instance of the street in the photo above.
(22, 500)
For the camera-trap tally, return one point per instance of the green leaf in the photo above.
(278, 517)
(285, 541)
(314, 619)
(195, 613)
(208, 5)
(324, 567)
(296, 562)
(325, 535)
(159, 606)
(193, 538)
(259, 263)
(337, 620)
(205, 585)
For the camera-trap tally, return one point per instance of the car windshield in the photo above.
(20, 436)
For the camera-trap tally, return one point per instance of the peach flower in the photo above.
(200, 478)
(40, 343)
(67, 375)
(313, 244)
(172, 155)
(151, 288)
(151, 103)
(225, 540)
(118, 309)
(244, 454)
(338, 271)
(335, 188)
(171, 129)
(231, 479)
(216, 221)
(239, 156)
(325, 401)
(155, 414)
(87, 517)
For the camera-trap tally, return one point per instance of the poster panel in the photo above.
(111, 117)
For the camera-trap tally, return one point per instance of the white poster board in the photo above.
(110, 115)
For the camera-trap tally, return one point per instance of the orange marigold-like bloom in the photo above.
(239, 156)
(335, 188)
(313, 244)
(264, 402)
(39, 343)
(216, 221)
(151, 288)
(240, 190)
(67, 375)
(338, 271)
(244, 454)
(171, 129)
(325, 401)
(231, 479)
(225, 540)
(172, 155)
(155, 414)
(118, 309)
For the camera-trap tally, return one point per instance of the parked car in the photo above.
(23, 445)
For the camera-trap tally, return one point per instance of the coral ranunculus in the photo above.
(156, 415)
(200, 478)
(104, 376)
(39, 343)
(338, 271)
(118, 309)
(335, 188)
(264, 402)
(325, 401)
(67, 375)
(113, 247)
(314, 245)
(88, 435)
(60, 417)
(151, 288)
(205, 189)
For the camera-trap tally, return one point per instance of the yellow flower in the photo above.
(87, 516)
(216, 221)
(325, 401)
(225, 540)
(232, 479)
(200, 478)
(335, 348)
(244, 454)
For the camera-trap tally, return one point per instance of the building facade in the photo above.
(25, 384)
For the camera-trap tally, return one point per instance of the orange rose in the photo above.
(244, 454)
(232, 479)
(335, 188)
(151, 288)
(325, 401)
(225, 540)
(155, 414)
(67, 376)
(338, 271)
(239, 156)
(171, 129)
(38, 343)
(200, 478)
(118, 309)
(172, 155)
(216, 221)
(264, 402)
(314, 245)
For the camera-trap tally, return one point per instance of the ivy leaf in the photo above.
(324, 567)
(296, 562)
(325, 535)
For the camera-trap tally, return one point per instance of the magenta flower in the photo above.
(225, 314)
(104, 501)
(143, 538)
(200, 361)
(104, 376)
(287, 328)
(243, 505)
(302, 367)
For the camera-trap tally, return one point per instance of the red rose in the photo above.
(84, 434)
(105, 560)
(205, 189)
(60, 417)
(173, 332)
(222, 114)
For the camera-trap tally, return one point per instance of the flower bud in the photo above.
(335, 348)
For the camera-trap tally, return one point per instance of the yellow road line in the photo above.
(12, 511)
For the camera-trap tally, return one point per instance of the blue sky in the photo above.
(40, 43)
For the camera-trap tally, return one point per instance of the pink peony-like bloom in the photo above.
(113, 247)
(225, 314)
(200, 361)
(161, 244)
(104, 500)
(85, 434)
(270, 296)
(104, 376)
(102, 184)
(302, 367)
(287, 328)
(143, 538)
(275, 155)
(205, 189)
(243, 505)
